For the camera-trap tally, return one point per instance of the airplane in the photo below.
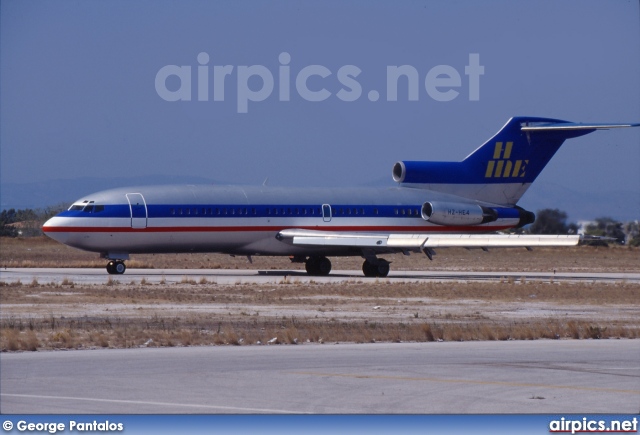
(434, 205)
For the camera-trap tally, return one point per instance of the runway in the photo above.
(544, 376)
(254, 276)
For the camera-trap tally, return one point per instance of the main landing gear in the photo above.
(116, 267)
(318, 266)
(379, 268)
(321, 266)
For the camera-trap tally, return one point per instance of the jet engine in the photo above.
(452, 213)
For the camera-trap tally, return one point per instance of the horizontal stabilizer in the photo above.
(568, 126)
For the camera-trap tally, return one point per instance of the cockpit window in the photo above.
(86, 206)
(98, 208)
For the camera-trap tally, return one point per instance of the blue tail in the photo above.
(502, 169)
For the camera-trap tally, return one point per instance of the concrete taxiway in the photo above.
(545, 376)
(253, 276)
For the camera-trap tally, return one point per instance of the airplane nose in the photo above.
(52, 228)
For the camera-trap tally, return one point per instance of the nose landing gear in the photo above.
(116, 267)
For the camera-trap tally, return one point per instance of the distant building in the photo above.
(582, 226)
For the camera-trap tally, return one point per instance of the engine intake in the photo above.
(399, 172)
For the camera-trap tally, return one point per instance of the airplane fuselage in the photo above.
(245, 220)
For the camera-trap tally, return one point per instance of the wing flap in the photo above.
(338, 241)
(330, 238)
(422, 241)
(498, 240)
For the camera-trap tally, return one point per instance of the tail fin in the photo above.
(502, 169)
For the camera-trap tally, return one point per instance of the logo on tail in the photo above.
(501, 166)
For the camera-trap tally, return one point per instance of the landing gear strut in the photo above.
(116, 267)
(377, 269)
(318, 266)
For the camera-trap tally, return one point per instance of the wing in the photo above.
(383, 241)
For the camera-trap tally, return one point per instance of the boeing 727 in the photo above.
(435, 204)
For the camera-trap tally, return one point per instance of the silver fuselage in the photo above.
(244, 220)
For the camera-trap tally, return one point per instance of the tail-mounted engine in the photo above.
(451, 213)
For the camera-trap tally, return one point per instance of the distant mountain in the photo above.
(622, 205)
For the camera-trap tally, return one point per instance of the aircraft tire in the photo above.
(318, 266)
(379, 270)
(119, 267)
(110, 268)
(382, 268)
(368, 269)
(324, 266)
(311, 266)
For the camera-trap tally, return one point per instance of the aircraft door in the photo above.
(326, 212)
(138, 209)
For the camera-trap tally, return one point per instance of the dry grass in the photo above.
(64, 333)
(417, 294)
(199, 313)
(122, 313)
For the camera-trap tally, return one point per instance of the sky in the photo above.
(297, 91)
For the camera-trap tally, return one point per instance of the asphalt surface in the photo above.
(545, 376)
(245, 276)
